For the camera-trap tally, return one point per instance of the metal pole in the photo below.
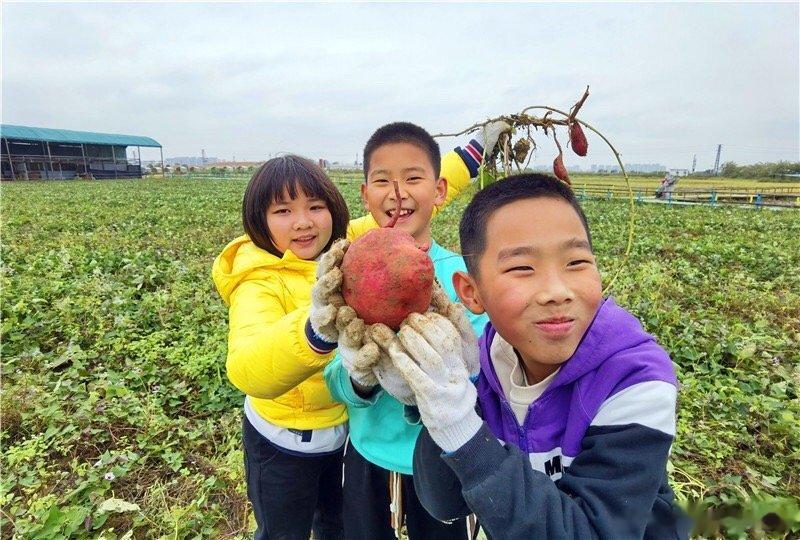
(139, 151)
(60, 170)
(114, 155)
(85, 166)
(10, 163)
(49, 157)
(161, 148)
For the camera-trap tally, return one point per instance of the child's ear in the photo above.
(467, 291)
(364, 194)
(441, 191)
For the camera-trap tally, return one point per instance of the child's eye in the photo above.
(414, 179)
(319, 207)
(579, 262)
(281, 211)
(520, 269)
(380, 181)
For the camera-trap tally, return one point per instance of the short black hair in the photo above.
(288, 174)
(472, 230)
(403, 132)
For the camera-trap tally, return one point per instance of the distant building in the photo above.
(645, 167)
(237, 164)
(679, 172)
(194, 161)
(30, 153)
(337, 166)
(630, 167)
(607, 169)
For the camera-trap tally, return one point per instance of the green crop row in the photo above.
(117, 416)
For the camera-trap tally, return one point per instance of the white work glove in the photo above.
(488, 135)
(390, 379)
(457, 314)
(428, 355)
(359, 353)
(367, 363)
(326, 294)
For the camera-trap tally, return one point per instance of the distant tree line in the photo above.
(760, 170)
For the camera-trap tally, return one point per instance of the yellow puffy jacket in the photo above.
(269, 358)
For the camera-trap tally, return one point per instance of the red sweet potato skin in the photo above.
(560, 170)
(577, 139)
(387, 277)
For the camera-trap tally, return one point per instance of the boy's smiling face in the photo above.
(420, 190)
(537, 280)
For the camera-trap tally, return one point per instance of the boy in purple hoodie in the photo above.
(575, 401)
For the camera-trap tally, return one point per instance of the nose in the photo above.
(553, 289)
(303, 221)
(401, 189)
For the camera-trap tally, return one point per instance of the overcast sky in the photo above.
(250, 80)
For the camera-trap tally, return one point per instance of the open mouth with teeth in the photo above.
(404, 212)
(305, 239)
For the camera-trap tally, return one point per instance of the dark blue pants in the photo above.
(290, 492)
(366, 505)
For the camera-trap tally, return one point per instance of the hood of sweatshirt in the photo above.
(241, 258)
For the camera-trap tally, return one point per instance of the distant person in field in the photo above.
(280, 340)
(666, 186)
(379, 496)
(567, 432)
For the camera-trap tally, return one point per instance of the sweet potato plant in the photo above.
(118, 420)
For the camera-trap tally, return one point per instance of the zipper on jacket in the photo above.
(510, 414)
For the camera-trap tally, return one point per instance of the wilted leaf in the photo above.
(117, 506)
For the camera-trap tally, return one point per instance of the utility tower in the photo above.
(694, 163)
(203, 153)
(716, 162)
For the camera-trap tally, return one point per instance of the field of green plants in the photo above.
(578, 179)
(118, 420)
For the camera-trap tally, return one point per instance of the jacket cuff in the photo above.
(316, 342)
(348, 394)
(458, 434)
(472, 155)
(411, 414)
(478, 455)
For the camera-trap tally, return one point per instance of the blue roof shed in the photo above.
(27, 133)
(35, 152)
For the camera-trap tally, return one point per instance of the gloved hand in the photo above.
(488, 135)
(456, 313)
(385, 371)
(326, 294)
(482, 145)
(359, 353)
(428, 355)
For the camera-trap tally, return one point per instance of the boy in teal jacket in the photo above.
(378, 486)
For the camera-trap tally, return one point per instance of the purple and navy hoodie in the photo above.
(590, 459)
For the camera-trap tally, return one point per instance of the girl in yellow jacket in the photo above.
(293, 431)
